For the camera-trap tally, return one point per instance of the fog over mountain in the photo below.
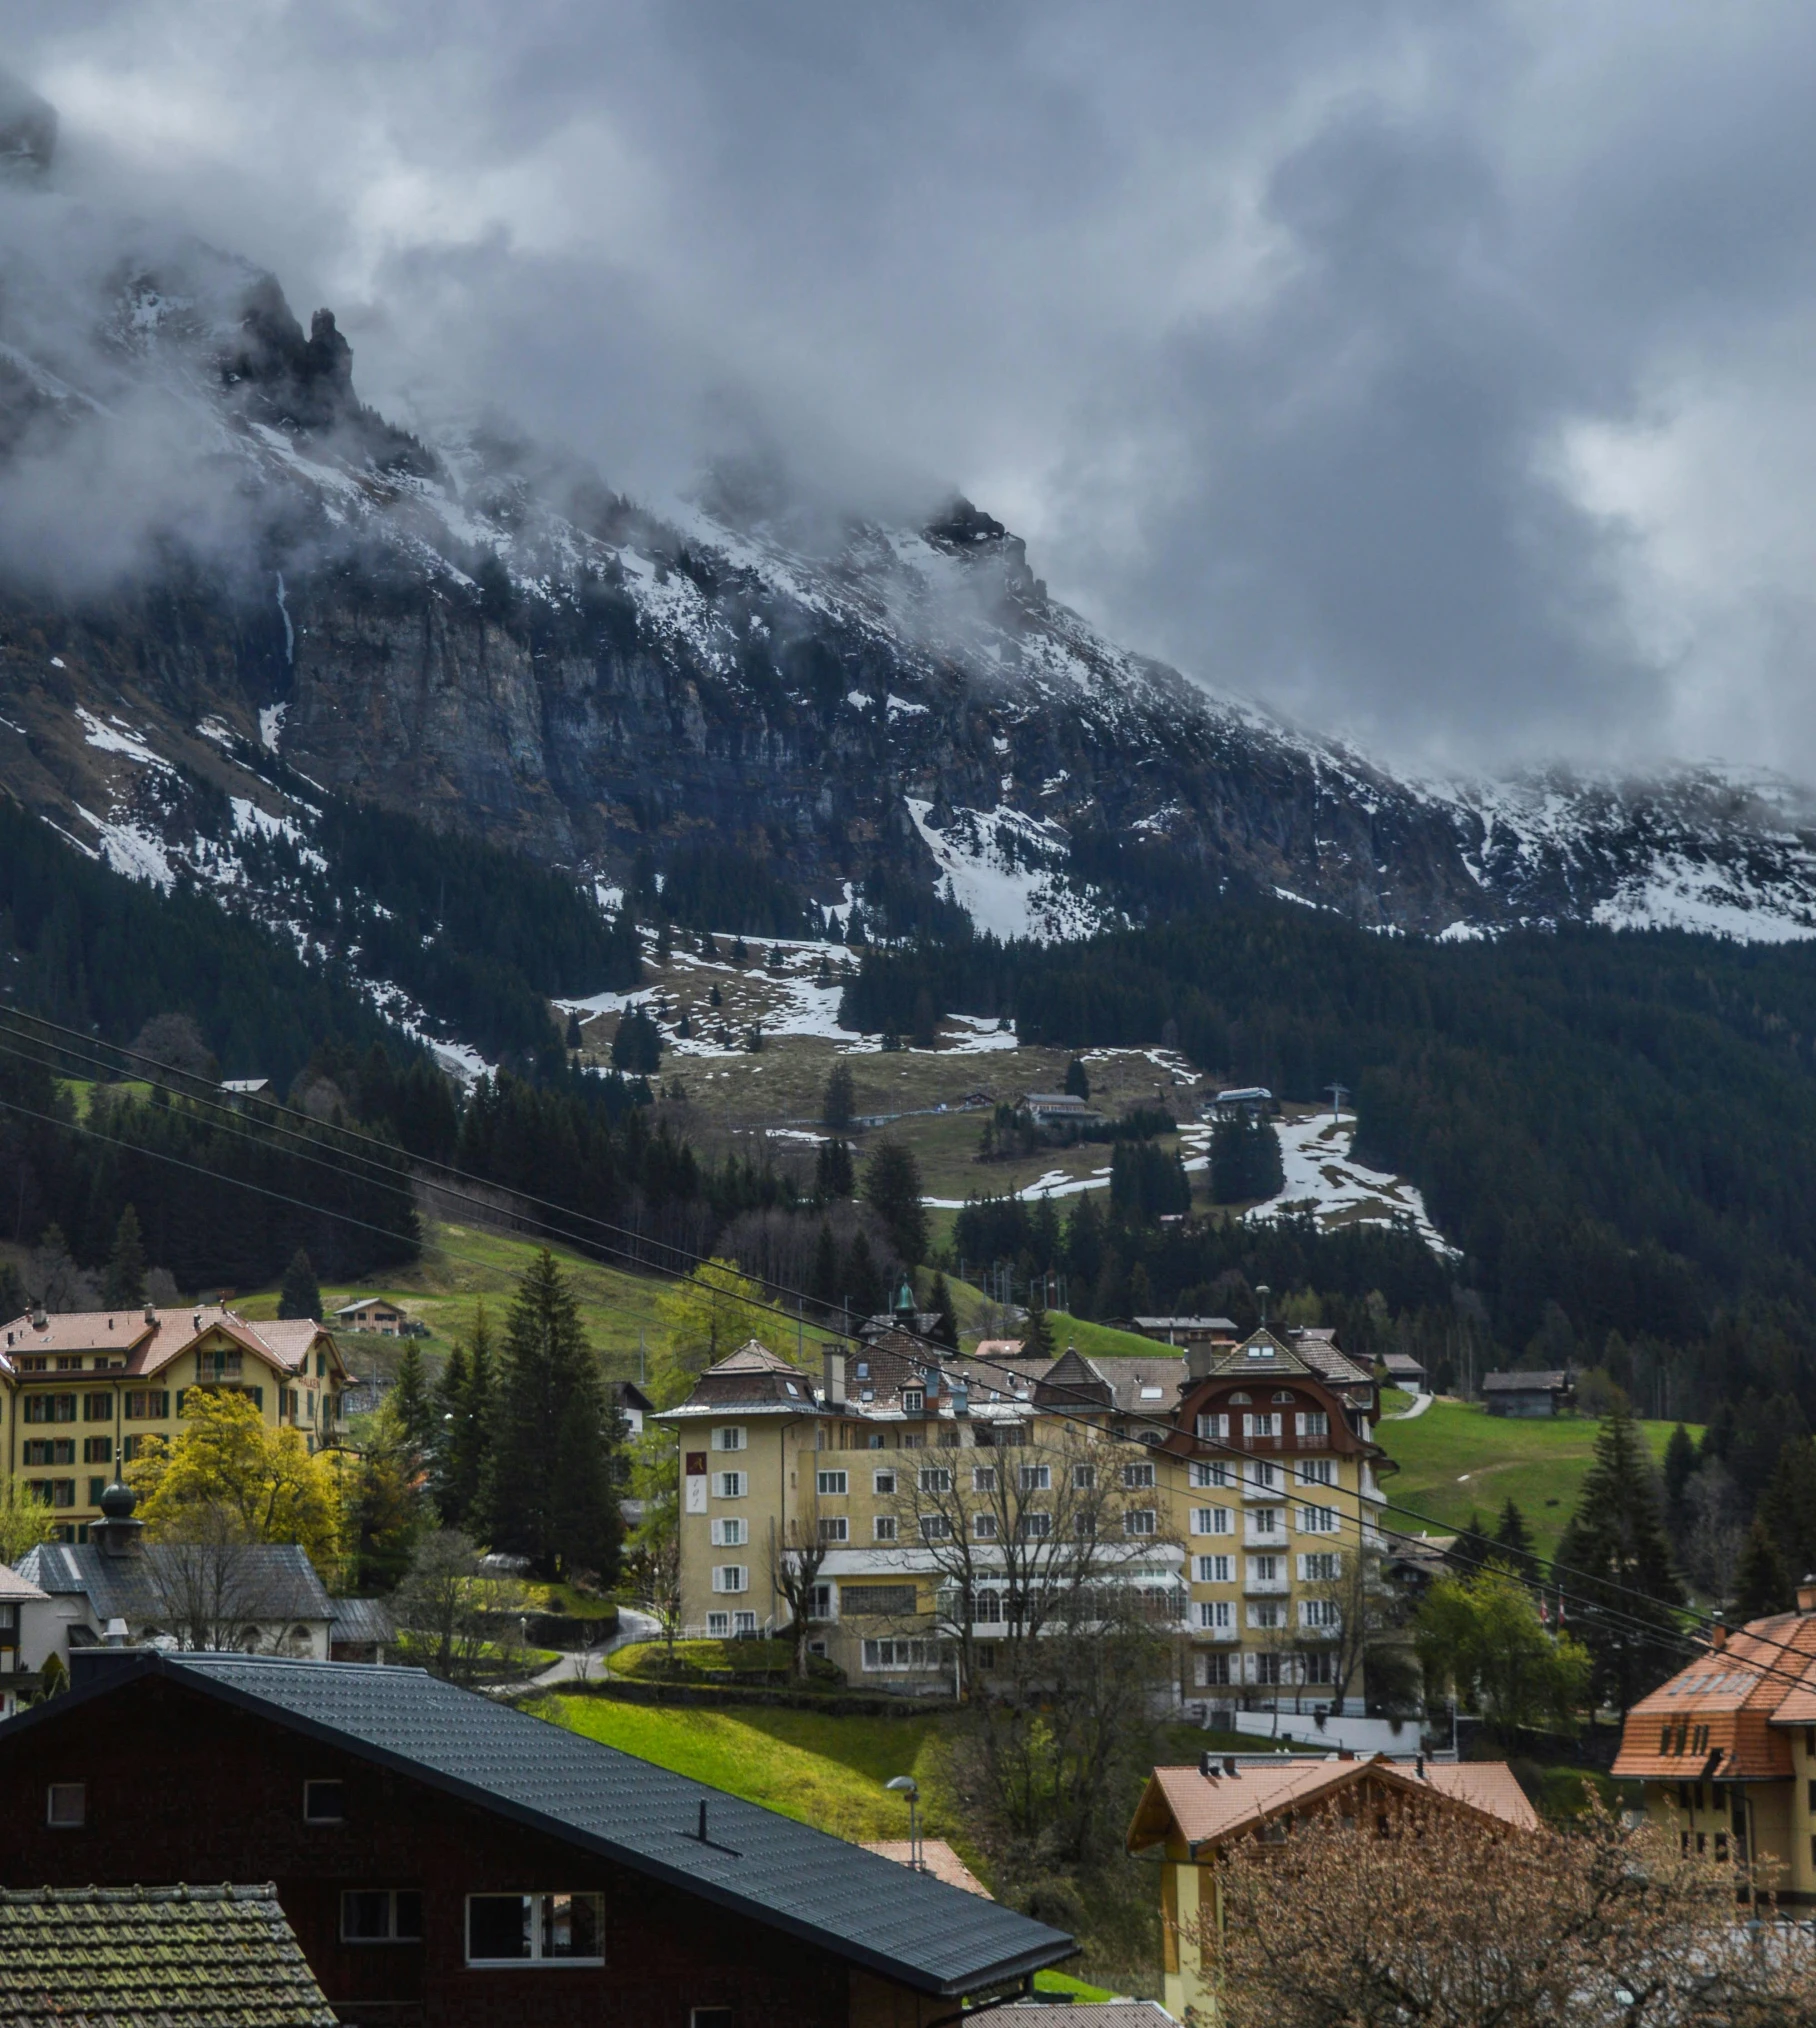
(1433, 373)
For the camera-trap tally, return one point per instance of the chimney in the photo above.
(832, 1364)
(40, 1318)
(1229, 1764)
(1806, 1593)
(1207, 1766)
(1200, 1356)
(1718, 1632)
(151, 1315)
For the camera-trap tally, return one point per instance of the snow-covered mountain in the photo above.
(229, 586)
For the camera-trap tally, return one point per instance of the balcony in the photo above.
(1253, 1491)
(1266, 1587)
(1257, 1536)
(1226, 1635)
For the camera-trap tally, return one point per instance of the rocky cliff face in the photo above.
(483, 637)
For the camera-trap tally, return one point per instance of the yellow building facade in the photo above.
(82, 1388)
(924, 1498)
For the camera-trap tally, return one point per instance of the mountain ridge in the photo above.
(486, 637)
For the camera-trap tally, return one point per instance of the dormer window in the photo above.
(1261, 1351)
(913, 1400)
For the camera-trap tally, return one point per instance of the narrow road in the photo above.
(632, 1626)
(1420, 1403)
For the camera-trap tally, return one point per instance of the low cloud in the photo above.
(1438, 373)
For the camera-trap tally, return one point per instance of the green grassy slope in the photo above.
(1457, 1457)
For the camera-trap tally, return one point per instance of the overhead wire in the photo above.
(231, 1120)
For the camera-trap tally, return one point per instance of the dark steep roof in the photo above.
(269, 1581)
(907, 1926)
(132, 1957)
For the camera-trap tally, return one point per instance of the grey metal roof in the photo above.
(1524, 1383)
(867, 1910)
(271, 1580)
(362, 1619)
(1108, 2014)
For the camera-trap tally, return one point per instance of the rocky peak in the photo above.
(28, 128)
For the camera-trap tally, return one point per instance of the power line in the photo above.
(238, 1123)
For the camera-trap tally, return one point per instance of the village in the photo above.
(1122, 1640)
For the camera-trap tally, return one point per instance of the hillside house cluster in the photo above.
(1232, 1490)
(82, 1389)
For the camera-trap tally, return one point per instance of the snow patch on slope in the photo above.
(1324, 1178)
(1006, 871)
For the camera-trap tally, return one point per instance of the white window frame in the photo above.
(1216, 1570)
(834, 1528)
(1137, 1478)
(1261, 1569)
(936, 1478)
(1213, 1428)
(731, 1436)
(1036, 1478)
(1313, 1570)
(718, 1626)
(914, 1400)
(1211, 1472)
(1139, 1521)
(882, 1528)
(1267, 1615)
(1084, 1478)
(1267, 1521)
(1212, 1521)
(731, 1485)
(1036, 1526)
(730, 1531)
(832, 1483)
(913, 1654)
(535, 1961)
(1316, 1471)
(983, 1478)
(983, 1527)
(1216, 1614)
(935, 1528)
(883, 1481)
(1323, 1615)
(1317, 1520)
(731, 1579)
(1263, 1422)
(1312, 1422)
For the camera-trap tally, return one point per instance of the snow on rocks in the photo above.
(1323, 1177)
(1006, 870)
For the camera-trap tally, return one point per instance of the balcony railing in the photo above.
(1267, 1587)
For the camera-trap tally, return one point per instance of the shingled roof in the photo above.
(907, 1926)
(263, 1580)
(153, 1957)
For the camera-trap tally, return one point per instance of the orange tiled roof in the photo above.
(1206, 1809)
(1717, 1719)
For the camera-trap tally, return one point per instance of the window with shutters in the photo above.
(1212, 1472)
(1264, 1423)
(1211, 1521)
(1216, 1570)
(97, 1408)
(1316, 1471)
(729, 1438)
(730, 1531)
(731, 1577)
(1322, 1566)
(1213, 1428)
(1318, 1520)
(1312, 1423)
(147, 1404)
(1216, 1614)
(731, 1485)
(50, 1408)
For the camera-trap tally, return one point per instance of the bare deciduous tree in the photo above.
(1389, 1915)
(449, 1607)
(797, 1563)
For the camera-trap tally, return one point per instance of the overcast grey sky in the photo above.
(1440, 373)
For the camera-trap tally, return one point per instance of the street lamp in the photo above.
(906, 1785)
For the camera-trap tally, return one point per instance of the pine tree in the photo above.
(939, 1298)
(414, 1409)
(1762, 1584)
(1077, 1082)
(1469, 1552)
(841, 1099)
(892, 1189)
(1680, 1466)
(863, 1289)
(465, 1401)
(1787, 1507)
(575, 1039)
(1513, 1541)
(833, 1176)
(300, 1295)
(1037, 1334)
(1616, 1558)
(547, 1492)
(123, 1286)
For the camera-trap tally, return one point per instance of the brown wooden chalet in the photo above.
(1277, 1397)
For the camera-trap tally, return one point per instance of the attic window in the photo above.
(1242, 1397)
(913, 1400)
(66, 1806)
(863, 1369)
(324, 1802)
(1153, 1394)
(792, 1388)
(1261, 1351)
(1283, 1394)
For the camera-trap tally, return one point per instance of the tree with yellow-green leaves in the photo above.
(25, 1521)
(230, 1476)
(705, 1318)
